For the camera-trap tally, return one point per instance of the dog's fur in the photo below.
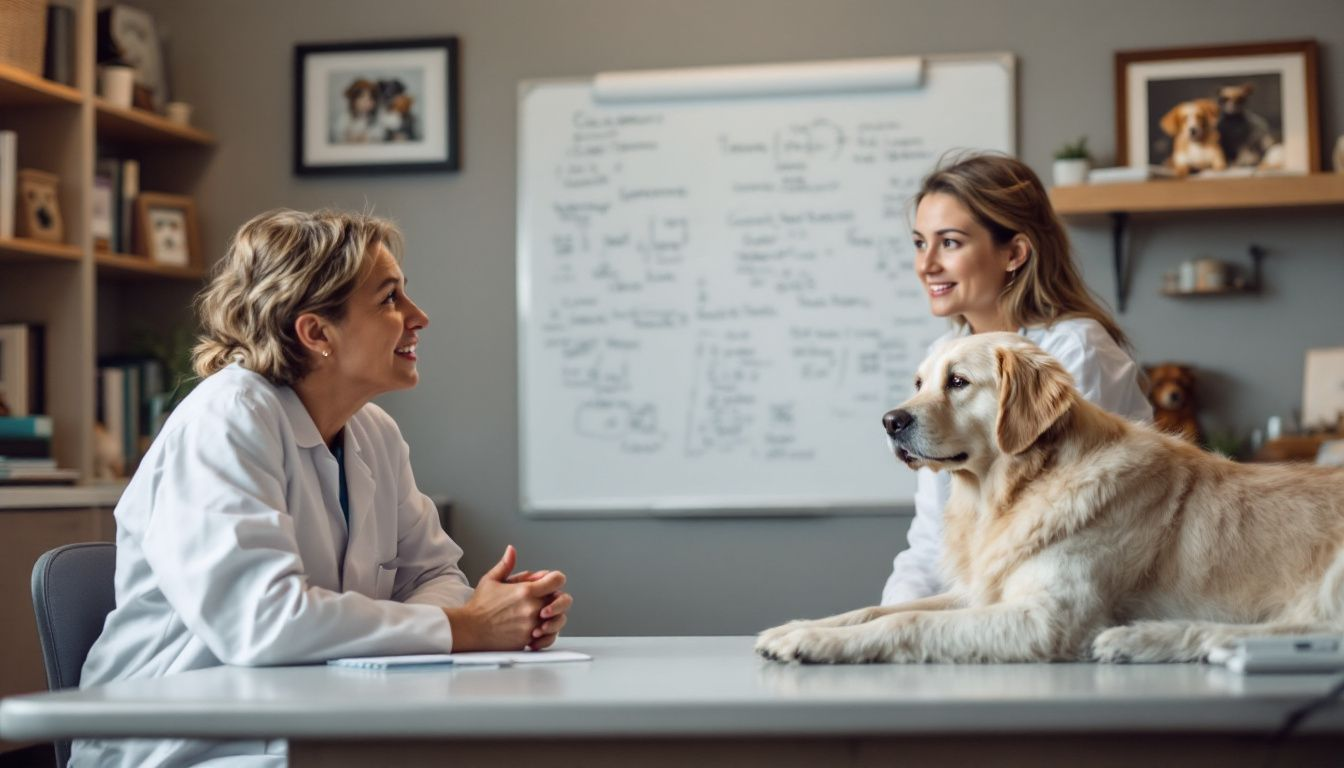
(1193, 128)
(1172, 393)
(1072, 533)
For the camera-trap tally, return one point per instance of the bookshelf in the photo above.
(1176, 196)
(89, 300)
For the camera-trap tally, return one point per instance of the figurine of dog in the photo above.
(1172, 393)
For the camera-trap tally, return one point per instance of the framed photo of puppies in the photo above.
(165, 229)
(1223, 110)
(376, 107)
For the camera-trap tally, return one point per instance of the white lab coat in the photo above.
(232, 549)
(1105, 375)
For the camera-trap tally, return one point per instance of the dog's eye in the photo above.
(956, 382)
(918, 383)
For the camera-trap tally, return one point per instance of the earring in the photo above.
(326, 353)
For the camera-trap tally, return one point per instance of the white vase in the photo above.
(1071, 172)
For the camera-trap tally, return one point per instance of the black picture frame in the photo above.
(376, 107)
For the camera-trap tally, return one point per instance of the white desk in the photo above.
(679, 701)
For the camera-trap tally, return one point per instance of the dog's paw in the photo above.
(804, 644)
(768, 639)
(765, 637)
(1146, 642)
(818, 645)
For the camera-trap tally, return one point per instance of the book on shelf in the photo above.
(9, 161)
(1129, 173)
(128, 389)
(100, 224)
(25, 447)
(121, 178)
(29, 471)
(22, 360)
(59, 60)
(25, 426)
(8, 464)
(130, 188)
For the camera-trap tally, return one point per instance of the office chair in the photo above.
(72, 595)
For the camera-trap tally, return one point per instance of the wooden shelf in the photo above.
(19, 87)
(137, 125)
(1174, 195)
(125, 265)
(24, 249)
(1119, 201)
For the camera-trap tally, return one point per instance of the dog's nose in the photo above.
(897, 420)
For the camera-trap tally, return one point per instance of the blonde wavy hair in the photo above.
(280, 265)
(1007, 198)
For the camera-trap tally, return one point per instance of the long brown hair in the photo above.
(1007, 198)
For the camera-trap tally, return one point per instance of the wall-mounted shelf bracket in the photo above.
(1120, 258)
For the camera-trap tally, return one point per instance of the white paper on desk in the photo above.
(481, 659)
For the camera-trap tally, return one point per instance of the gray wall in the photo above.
(648, 576)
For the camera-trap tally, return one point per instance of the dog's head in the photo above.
(1191, 120)
(361, 96)
(390, 89)
(1171, 386)
(1232, 98)
(977, 399)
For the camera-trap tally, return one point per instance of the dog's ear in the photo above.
(1171, 122)
(1034, 392)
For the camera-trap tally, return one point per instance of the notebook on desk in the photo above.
(476, 659)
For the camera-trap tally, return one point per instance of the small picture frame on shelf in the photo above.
(1233, 110)
(165, 229)
(376, 107)
(40, 206)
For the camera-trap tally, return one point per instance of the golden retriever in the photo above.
(1195, 143)
(1072, 533)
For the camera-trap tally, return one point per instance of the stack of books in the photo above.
(25, 452)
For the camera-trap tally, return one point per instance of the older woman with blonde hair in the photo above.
(993, 256)
(275, 519)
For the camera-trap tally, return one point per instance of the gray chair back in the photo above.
(72, 594)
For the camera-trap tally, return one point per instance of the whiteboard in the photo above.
(716, 290)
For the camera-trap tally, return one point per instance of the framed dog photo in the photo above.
(1223, 110)
(376, 107)
(165, 229)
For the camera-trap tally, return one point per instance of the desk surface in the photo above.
(683, 686)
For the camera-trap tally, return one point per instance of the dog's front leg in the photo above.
(998, 633)
(941, 602)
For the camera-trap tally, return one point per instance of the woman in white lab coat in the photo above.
(275, 519)
(993, 256)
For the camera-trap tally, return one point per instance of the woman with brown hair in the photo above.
(275, 519)
(993, 256)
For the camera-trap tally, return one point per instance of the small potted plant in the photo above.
(1072, 163)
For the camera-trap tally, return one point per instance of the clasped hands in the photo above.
(511, 611)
